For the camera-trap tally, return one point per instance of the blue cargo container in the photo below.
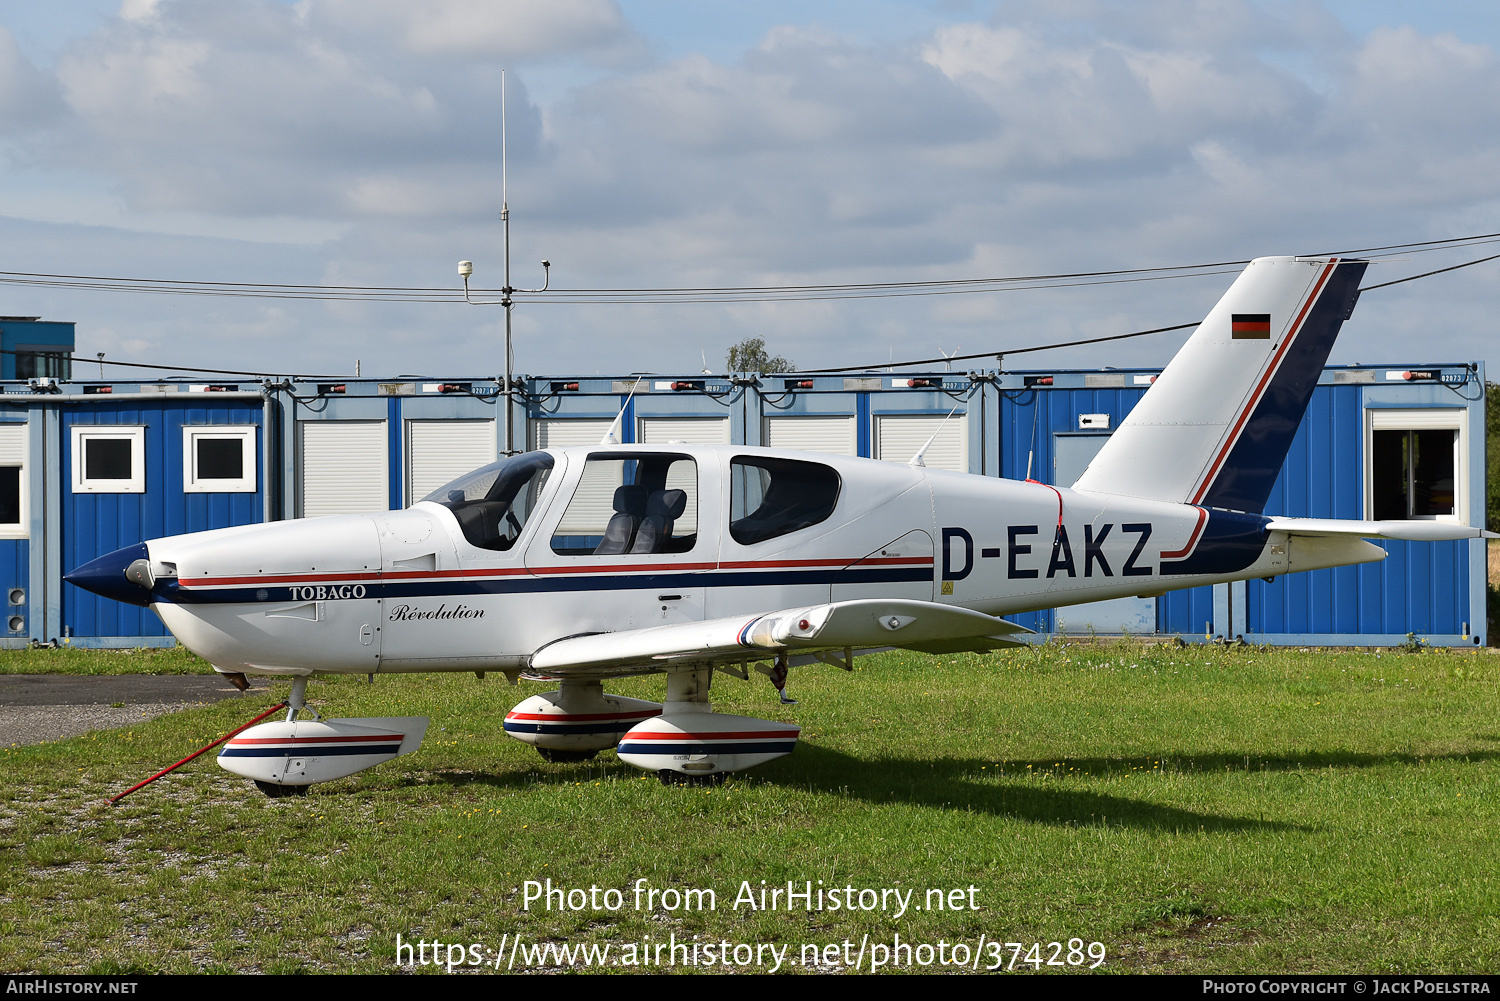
(86, 468)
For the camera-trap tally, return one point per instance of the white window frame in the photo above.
(14, 452)
(136, 435)
(1426, 419)
(244, 433)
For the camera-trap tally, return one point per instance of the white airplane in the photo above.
(578, 565)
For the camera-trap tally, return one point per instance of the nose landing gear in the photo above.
(284, 758)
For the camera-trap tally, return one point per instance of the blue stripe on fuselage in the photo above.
(1230, 543)
(435, 587)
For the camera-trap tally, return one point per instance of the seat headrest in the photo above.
(670, 503)
(630, 499)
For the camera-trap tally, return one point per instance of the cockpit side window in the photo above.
(631, 505)
(493, 504)
(775, 497)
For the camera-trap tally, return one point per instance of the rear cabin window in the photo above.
(631, 505)
(493, 504)
(775, 497)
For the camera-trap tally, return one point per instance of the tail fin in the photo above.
(1215, 427)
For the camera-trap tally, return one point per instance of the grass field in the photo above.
(1192, 811)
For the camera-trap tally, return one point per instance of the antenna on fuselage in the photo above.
(1036, 411)
(916, 460)
(612, 436)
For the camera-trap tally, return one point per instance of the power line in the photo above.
(1430, 244)
(998, 355)
(784, 293)
(1428, 274)
(748, 293)
(667, 294)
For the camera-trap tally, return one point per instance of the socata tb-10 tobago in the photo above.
(577, 565)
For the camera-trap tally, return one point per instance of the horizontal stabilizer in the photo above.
(1409, 531)
(864, 623)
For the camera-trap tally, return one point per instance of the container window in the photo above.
(218, 459)
(1415, 465)
(109, 460)
(14, 519)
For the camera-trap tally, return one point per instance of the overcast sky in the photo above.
(681, 143)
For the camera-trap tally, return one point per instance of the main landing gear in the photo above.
(682, 739)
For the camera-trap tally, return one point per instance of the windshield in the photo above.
(492, 504)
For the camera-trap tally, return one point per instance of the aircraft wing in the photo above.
(1410, 531)
(865, 623)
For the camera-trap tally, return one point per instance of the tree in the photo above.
(750, 355)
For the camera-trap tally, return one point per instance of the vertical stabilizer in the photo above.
(1215, 427)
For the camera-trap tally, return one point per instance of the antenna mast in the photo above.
(507, 290)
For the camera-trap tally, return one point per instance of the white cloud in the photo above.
(28, 99)
(361, 138)
(511, 31)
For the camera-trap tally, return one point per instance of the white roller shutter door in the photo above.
(897, 439)
(812, 434)
(344, 469)
(690, 430)
(439, 452)
(561, 433)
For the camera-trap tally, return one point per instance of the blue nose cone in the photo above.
(106, 576)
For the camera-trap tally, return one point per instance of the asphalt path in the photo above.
(38, 707)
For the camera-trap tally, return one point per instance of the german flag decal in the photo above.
(1250, 326)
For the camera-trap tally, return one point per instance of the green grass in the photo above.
(1194, 811)
(73, 660)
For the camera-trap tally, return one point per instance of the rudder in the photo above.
(1215, 427)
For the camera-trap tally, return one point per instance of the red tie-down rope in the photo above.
(1059, 499)
(114, 800)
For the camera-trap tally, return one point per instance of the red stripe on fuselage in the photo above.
(1192, 539)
